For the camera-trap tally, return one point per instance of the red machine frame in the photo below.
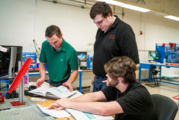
(18, 79)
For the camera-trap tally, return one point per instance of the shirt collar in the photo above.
(114, 25)
(129, 87)
(62, 48)
(116, 22)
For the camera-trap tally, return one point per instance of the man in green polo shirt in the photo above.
(60, 57)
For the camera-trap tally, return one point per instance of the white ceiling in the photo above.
(157, 7)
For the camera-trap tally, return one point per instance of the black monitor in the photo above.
(9, 60)
(154, 55)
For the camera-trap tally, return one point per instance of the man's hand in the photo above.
(67, 84)
(55, 106)
(106, 81)
(61, 104)
(64, 102)
(39, 82)
(92, 81)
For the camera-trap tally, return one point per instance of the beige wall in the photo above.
(24, 20)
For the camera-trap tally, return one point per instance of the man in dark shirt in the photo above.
(114, 38)
(127, 99)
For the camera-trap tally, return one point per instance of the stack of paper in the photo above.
(54, 113)
(78, 115)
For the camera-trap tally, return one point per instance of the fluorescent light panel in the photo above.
(172, 17)
(125, 5)
(115, 3)
(135, 8)
(112, 2)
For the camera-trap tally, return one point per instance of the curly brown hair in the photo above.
(121, 67)
(100, 8)
(51, 30)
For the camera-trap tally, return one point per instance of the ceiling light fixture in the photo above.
(112, 2)
(135, 8)
(172, 17)
(125, 5)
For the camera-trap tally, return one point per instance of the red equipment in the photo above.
(176, 97)
(1, 98)
(20, 75)
(11, 93)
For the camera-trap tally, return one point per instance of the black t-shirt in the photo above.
(135, 101)
(119, 40)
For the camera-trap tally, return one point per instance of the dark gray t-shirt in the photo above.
(135, 101)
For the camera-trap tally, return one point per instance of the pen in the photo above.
(49, 105)
(71, 95)
(5, 109)
(53, 107)
(64, 109)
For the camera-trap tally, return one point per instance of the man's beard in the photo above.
(113, 83)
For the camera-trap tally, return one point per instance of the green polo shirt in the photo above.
(59, 62)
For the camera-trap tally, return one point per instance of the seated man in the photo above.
(127, 99)
(60, 57)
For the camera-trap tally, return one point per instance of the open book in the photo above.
(53, 92)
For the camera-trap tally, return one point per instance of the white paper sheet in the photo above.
(60, 91)
(41, 90)
(54, 113)
(76, 95)
(78, 115)
(38, 99)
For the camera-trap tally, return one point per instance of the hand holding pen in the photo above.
(58, 107)
(55, 106)
(60, 104)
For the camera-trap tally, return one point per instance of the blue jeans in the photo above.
(98, 84)
(56, 84)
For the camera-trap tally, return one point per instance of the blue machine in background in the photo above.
(82, 57)
(168, 52)
(172, 54)
(90, 61)
(86, 60)
(31, 55)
